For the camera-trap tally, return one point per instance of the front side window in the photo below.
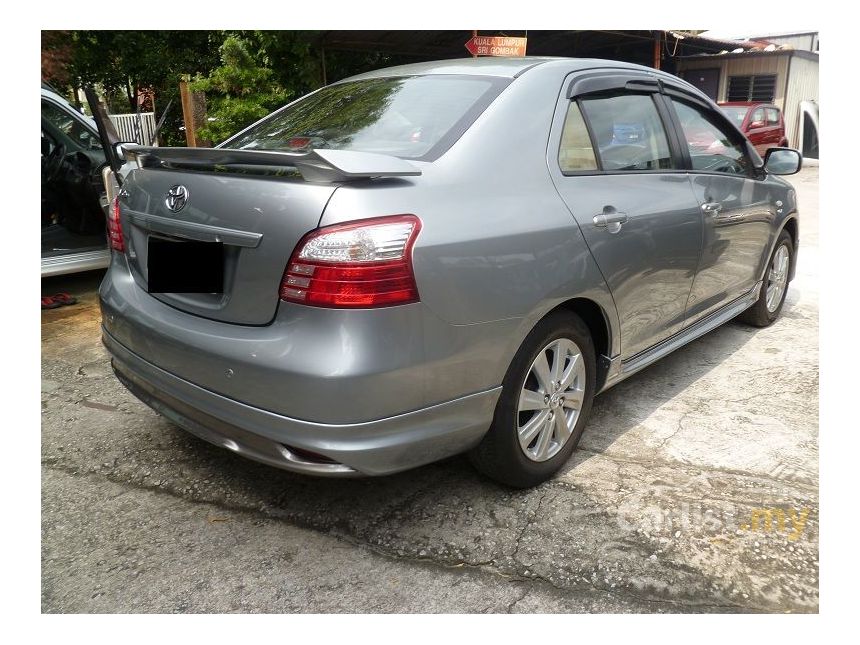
(772, 116)
(575, 152)
(76, 133)
(410, 117)
(757, 116)
(628, 132)
(711, 148)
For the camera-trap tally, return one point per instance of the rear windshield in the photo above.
(736, 114)
(413, 117)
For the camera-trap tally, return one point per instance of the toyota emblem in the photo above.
(177, 197)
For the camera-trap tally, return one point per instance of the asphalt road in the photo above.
(695, 490)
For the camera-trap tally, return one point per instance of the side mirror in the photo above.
(782, 161)
(755, 124)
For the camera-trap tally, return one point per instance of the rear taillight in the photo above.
(114, 226)
(359, 264)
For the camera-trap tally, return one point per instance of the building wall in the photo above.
(801, 72)
(802, 86)
(744, 65)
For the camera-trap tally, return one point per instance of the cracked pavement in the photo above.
(695, 489)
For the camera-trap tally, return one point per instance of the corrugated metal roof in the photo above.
(729, 46)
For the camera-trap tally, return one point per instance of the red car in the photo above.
(761, 122)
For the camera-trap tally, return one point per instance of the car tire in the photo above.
(767, 309)
(500, 454)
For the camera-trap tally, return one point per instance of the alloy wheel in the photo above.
(551, 399)
(777, 278)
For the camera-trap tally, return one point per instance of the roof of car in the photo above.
(508, 67)
(489, 66)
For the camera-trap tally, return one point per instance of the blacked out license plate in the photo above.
(185, 266)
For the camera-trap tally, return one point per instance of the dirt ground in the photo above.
(695, 489)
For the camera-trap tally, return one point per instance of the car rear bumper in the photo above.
(376, 447)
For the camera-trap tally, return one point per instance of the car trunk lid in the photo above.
(256, 204)
(257, 220)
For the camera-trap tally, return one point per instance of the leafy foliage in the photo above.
(245, 74)
(238, 92)
(122, 63)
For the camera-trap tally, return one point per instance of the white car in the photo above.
(73, 195)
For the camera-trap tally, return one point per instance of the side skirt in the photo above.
(74, 262)
(621, 369)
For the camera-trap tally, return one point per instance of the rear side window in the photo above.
(772, 116)
(628, 132)
(413, 117)
(575, 152)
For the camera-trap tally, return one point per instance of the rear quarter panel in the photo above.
(498, 248)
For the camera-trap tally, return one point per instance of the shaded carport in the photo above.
(655, 48)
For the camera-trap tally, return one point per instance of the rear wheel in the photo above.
(774, 286)
(545, 401)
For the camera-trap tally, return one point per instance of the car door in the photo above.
(736, 208)
(72, 210)
(757, 129)
(617, 169)
(774, 127)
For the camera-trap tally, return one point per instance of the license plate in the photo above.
(185, 266)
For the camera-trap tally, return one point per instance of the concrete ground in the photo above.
(695, 489)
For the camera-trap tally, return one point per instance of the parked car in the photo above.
(438, 258)
(762, 123)
(73, 196)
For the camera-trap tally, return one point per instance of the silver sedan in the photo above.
(439, 258)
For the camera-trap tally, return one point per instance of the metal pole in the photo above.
(657, 51)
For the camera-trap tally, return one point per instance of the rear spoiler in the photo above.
(316, 165)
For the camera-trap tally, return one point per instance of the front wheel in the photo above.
(545, 401)
(774, 286)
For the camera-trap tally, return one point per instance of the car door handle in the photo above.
(710, 208)
(608, 218)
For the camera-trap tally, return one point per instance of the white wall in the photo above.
(802, 86)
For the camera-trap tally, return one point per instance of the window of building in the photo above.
(761, 87)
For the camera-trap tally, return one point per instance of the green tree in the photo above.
(238, 92)
(262, 70)
(124, 63)
(244, 79)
